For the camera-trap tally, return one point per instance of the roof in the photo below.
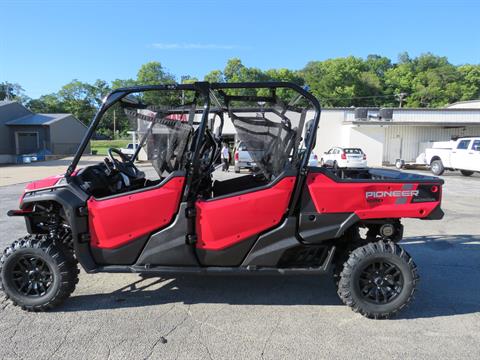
(469, 104)
(38, 119)
(12, 110)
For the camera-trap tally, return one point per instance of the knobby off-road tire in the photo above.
(378, 280)
(37, 274)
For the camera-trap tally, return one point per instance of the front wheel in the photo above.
(378, 280)
(37, 274)
(466, 172)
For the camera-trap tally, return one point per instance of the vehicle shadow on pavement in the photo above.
(449, 268)
(214, 289)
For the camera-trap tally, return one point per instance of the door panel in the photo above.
(459, 156)
(119, 220)
(475, 156)
(224, 222)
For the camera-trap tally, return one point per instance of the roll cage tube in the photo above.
(279, 84)
(204, 88)
(114, 97)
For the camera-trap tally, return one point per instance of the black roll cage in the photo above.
(205, 89)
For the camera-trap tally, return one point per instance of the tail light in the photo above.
(236, 155)
(344, 156)
(427, 193)
(364, 156)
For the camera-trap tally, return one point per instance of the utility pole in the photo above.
(400, 97)
(182, 79)
(114, 124)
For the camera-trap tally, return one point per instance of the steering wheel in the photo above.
(125, 166)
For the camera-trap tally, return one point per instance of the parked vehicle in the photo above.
(129, 149)
(312, 160)
(338, 157)
(462, 154)
(288, 218)
(243, 158)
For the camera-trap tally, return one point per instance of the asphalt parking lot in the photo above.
(126, 317)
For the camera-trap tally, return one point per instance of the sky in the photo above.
(44, 44)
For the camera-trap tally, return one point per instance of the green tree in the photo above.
(46, 104)
(13, 92)
(342, 81)
(428, 80)
(120, 83)
(470, 84)
(79, 99)
(214, 76)
(152, 73)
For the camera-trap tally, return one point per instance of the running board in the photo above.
(217, 270)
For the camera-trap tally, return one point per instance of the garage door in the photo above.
(27, 142)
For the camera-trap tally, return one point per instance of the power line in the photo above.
(364, 97)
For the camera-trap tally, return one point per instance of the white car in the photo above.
(462, 154)
(338, 157)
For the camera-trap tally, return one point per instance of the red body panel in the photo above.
(46, 182)
(330, 196)
(225, 222)
(43, 183)
(119, 220)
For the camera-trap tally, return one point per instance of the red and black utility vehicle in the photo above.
(172, 213)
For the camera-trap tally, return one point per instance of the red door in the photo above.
(224, 222)
(121, 219)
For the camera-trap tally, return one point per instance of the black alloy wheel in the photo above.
(380, 282)
(31, 276)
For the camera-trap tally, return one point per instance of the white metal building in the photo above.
(386, 135)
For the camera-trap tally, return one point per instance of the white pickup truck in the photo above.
(130, 149)
(462, 154)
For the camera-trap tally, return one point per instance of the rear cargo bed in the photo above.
(375, 175)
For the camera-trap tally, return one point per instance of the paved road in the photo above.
(125, 317)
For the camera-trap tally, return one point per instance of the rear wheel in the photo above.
(378, 280)
(399, 164)
(37, 274)
(466, 172)
(437, 167)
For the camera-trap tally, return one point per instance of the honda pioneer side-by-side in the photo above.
(174, 213)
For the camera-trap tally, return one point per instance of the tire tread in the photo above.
(65, 261)
(380, 247)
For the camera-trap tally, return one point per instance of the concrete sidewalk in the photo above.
(17, 174)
